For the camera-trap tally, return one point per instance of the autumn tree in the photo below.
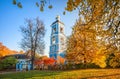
(4, 51)
(82, 46)
(111, 43)
(33, 33)
(105, 15)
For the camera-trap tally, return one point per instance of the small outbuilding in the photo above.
(23, 63)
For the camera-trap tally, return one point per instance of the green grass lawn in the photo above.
(71, 74)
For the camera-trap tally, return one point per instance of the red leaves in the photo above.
(37, 62)
(47, 61)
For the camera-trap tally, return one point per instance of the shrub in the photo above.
(92, 65)
(79, 66)
(8, 62)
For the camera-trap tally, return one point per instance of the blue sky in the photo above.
(12, 17)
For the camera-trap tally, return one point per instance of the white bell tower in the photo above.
(57, 39)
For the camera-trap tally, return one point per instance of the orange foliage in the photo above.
(49, 61)
(60, 60)
(45, 61)
(38, 62)
(6, 51)
(44, 57)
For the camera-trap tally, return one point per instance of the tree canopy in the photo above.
(33, 33)
(4, 51)
(100, 20)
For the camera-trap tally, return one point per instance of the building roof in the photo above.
(58, 22)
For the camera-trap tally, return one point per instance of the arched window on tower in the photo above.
(62, 40)
(53, 40)
(61, 29)
(62, 43)
(54, 29)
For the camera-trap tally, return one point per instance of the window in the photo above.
(61, 29)
(62, 41)
(53, 39)
(54, 30)
(53, 47)
(61, 47)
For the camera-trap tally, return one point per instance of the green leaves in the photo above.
(19, 5)
(37, 4)
(14, 2)
(50, 6)
(40, 5)
(41, 8)
(64, 13)
(8, 62)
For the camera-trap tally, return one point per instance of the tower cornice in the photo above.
(57, 21)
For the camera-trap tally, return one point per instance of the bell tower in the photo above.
(57, 39)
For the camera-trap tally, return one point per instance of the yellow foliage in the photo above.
(100, 58)
(99, 24)
(82, 43)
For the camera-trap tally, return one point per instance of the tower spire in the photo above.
(58, 17)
